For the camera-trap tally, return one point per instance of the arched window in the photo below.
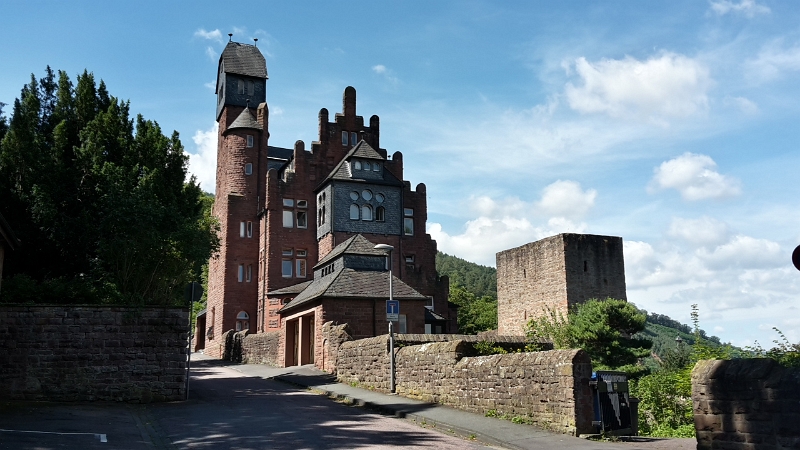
(366, 212)
(242, 321)
(354, 212)
(357, 165)
(380, 214)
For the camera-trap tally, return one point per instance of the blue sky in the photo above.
(671, 124)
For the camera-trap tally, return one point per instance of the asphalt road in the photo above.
(226, 410)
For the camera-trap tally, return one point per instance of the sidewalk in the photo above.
(488, 430)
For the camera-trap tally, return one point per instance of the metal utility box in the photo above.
(612, 403)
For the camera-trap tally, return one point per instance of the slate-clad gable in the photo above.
(243, 59)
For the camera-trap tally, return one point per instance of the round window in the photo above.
(354, 195)
(380, 198)
(367, 195)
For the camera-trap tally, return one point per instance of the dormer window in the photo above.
(357, 165)
(376, 167)
(366, 165)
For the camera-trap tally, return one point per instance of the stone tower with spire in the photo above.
(242, 152)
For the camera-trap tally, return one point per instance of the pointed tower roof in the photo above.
(243, 59)
(245, 120)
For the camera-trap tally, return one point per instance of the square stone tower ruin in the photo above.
(556, 273)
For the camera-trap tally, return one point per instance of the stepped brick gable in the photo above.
(298, 227)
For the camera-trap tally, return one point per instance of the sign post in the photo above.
(392, 314)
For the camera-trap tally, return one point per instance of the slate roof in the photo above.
(361, 150)
(431, 316)
(245, 120)
(243, 59)
(278, 157)
(356, 245)
(294, 289)
(354, 284)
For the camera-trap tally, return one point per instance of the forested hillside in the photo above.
(474, 289)
(479, 280)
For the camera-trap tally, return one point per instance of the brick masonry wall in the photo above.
(90, 353)
(746, 404)
(551, 388)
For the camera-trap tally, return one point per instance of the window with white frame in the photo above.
(354, 212)
(301, 268)
(356, 165)
(242, 229)
(366, 212)
(288, 218)
(380, 214)
(286, 268)
(249, 141)
(248, 169)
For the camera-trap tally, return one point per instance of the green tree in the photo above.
(603, 328)
(100, 201)
(474, 314)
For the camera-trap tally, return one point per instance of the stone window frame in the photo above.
(366, 213)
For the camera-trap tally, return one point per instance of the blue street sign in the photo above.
(392, 310)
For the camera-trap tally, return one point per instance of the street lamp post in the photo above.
(388, 249)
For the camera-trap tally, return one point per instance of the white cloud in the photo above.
(773, 62)
(695, 177)
(748, 8)
(744, 252)
(702, 232)
(668, 86)
(502, 224)
(380, 69)
(211, 86)
(743, 104)
(214, 35)
(203, 161)
(566, 199)
(211, 53)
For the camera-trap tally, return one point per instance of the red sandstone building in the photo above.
(298, 227)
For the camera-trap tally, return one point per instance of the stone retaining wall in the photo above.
(549, 388)
(88, 353)
(260, 348)
(746, 404)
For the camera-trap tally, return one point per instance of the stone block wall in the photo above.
(556, 273)
(746, 404)
(246, 348)
(89, 353)
(551, 388)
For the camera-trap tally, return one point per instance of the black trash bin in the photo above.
(612, 403)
